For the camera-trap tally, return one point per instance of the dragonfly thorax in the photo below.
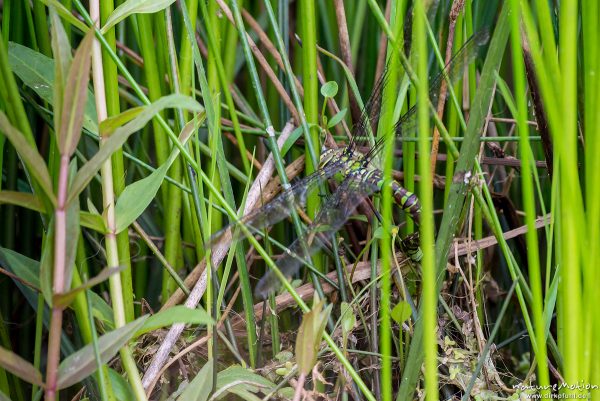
(340, 156)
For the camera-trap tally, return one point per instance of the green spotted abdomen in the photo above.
(407, 200)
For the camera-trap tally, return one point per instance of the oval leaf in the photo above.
(82, 363)
(329, 89)
(401, 312)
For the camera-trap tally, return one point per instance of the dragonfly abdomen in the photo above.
(407, 200)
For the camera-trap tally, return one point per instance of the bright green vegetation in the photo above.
(444, 231)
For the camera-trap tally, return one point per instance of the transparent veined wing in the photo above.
(282, 205)
(335, 211)
(451, 72)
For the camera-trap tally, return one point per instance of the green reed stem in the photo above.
(529, 202)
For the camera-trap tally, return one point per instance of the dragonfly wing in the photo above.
(333, 214)
(281, 206)
(452, 72)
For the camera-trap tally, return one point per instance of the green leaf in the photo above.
(347, 318)
(93, 221)
(65, 299)
(32, 202)
(329, 89)
(137, 196)
(47, 263)
(22, 199)
(120, 387)
(76, 96)
(131, 7)
(102, 311)
(20, 367)
(379, 232)
(82, 363)
(309, 335)
(61, 50)
(37, 72)
(176, 314)
(30, 157)
(120, 135)
(3, 397)
(291, 140)
(73, 232)
(65, 13)
(242, 382)
(109, 125)
(199, 388)
(401, 312)
(335, 120)
(23, 267)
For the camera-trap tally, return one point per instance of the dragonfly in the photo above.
(358, 178)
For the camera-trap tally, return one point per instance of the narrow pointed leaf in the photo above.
(176, 314)
(199, 388)
(37, 72)
(34, 162)
(30, 201)
(93, 221)
(65, 13)
(108, 126)
(74, 103)
(137, 196)
(61, 50)
(65, 299)
(25, 268)
(131, 7)
(82, 363)
(348, 320)
(120, 135)
(120, 387)
(335, 120)
(20, 367)
(47, 264)
(309, 336)
(31, 158)
(73, 232)
(243, 383)
(22, 199)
